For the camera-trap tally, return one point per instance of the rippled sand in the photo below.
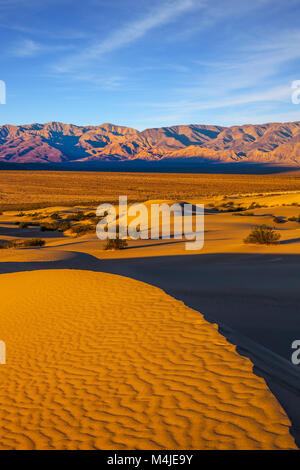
(102, 361)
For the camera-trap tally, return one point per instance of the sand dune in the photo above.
(102, 361)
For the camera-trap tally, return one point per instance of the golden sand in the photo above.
(102, 361)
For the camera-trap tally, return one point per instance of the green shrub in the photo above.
(115, 244)
(263, 235)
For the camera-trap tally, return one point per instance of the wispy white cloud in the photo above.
(186, 106)
(25, 48)
(108, 82)
(255, 64)
(252, 74)
(29, 48)
(217, 12)
(129, 33)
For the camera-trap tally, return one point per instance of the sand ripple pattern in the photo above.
(99, 361)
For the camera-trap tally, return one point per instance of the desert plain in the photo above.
(152, 346)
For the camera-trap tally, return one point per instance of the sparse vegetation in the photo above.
(294, 219)
(263, 235)
(64, 226)
(244, 214)
(49, 226)
(46, 189)
(32, 242)
(82, 229)
(278, 220)
(23, 224)
(115, 244)
(76, 217)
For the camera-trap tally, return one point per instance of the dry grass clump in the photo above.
(263, 235)
(279, 220)
(115, 244)
(49, 226)
(82, 229)
(294, 218)
(31, 242)
(244, 214)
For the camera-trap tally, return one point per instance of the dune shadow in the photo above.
(290, 241)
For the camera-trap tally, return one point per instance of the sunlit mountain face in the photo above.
(56, 142)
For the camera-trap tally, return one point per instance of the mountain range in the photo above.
(58, 143)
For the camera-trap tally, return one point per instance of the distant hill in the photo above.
(58, 143)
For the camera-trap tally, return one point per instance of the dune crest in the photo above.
(102, 361)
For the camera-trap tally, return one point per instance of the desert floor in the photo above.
(121, 349)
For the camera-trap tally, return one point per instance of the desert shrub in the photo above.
(22, 243)
(4, 245)
(76, 217)
(228, 204)
(54, 216)
(244, 214)
(238, 209)
(21, 214)
(254, 205)
(33, 214)
(33, 242)
(23, 224)
(294, 219)
(278, 220)
(49, 226)
(263, 235)
(115, 244)
(63, 226)
(82, 229)
(95, 220)
(33, 224)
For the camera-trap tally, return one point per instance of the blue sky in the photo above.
(149, 63)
